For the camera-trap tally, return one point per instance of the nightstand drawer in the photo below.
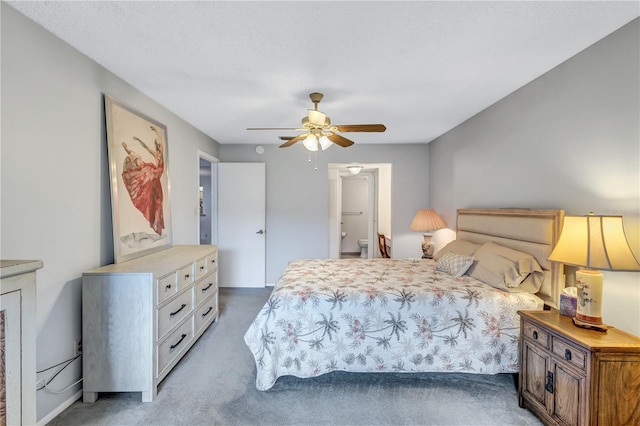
(568, 352)
(536, 335)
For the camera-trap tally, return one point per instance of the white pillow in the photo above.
(454, 264)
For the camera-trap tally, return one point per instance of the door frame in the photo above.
(335, 173)
(203, 156)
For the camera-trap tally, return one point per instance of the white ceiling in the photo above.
(420, 68)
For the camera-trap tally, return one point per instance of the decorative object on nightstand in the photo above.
(572, 376)
(593, 243)
(427, 220)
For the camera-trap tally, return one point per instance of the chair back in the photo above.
(382, 243)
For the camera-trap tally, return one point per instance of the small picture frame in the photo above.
(139, 178)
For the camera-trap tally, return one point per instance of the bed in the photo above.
(454, 313)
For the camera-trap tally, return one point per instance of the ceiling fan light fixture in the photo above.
(325, 143)
(310, 143)
(354, 169)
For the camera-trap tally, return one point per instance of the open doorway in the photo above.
(360, 209)
(207, 198)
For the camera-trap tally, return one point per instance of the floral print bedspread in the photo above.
(383, 315)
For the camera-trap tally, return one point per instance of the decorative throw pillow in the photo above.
(506, 269)
(454, 264)
(463, 247)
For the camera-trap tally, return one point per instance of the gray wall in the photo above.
(55, 202)
(297, 195)
(570, 139)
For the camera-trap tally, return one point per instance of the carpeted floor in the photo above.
(214, 384)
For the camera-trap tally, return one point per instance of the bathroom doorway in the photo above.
(360, 208)
(359, 213)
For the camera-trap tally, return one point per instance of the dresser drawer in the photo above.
(212, 260)
(176, 343)
(205, 287)
(174, 311)
(206, 313)
(201, 268)
(536, 335)
(570, 353)
(185, 276)
(167, 287)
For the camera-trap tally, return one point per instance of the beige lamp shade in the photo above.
(594, 242)
(427, 220)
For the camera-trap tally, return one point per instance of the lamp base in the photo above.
(427, 247)
(590, 326)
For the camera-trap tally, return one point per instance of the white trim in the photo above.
(54, 413)
(214, 195)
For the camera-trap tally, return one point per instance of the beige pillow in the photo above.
(463, 247)
(506, 269)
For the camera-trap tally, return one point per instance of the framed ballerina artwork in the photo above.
(139, 174)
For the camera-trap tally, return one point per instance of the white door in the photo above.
(241, 224)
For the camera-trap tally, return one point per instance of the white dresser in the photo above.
(18, 341)
(141, 316)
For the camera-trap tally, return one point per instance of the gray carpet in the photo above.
(214, 384)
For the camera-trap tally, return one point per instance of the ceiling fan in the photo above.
(319, 132)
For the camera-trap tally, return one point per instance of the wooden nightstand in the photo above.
(573, 376)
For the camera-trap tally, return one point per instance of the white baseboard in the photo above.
(53, 414)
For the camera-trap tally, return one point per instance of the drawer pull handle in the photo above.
(179, 341)
(207, 287)
(213, 261)
(535, 335)
(567, 354)
(202, 268)
(186, 276)
(208, 310)
(181, 308)
(549, 385)
(168, 287)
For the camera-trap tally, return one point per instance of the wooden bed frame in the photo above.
(531, 231)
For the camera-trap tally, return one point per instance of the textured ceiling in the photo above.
(421, 68)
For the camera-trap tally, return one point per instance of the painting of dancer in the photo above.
(137, 147)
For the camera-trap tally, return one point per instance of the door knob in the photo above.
(260, 232)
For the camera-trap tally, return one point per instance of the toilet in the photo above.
(363, 244)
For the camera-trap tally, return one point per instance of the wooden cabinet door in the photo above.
(535, 367)
(568, 395)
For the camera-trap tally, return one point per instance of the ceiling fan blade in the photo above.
(294, 140)
(339, 140)
(361, 128)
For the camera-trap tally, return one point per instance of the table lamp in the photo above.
(427, 220)
(593, 243)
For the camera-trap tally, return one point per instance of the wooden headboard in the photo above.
(530, 231)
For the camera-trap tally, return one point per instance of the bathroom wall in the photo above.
(355, 200)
